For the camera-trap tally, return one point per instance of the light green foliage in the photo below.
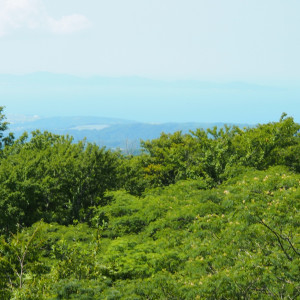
(208, 215)
(20, 259)
(206, 243)
(208, 154)
(234, 241)
(269, 144)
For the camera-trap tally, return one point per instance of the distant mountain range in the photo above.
(110, 132)
(147, 100)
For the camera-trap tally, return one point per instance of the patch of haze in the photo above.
(90, 127)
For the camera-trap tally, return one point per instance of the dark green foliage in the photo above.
(48, 177)
(4, 140)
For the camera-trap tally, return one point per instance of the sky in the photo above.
(255, 41)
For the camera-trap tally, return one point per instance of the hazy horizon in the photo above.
(246, 52)
(147, 100)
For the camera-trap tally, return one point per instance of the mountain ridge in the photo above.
(110, 132)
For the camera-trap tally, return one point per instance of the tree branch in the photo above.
(278, 239)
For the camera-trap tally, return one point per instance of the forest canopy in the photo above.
(212, 214)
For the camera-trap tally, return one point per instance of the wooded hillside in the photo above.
(213, 214)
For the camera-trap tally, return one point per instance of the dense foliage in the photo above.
(208, 215)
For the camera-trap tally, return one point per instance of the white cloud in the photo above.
(16, 14)
(31, 15)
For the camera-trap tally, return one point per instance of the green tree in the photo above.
(20, 255)
(4, 140)
(50, 177)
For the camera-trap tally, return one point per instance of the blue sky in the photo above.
(212, 41)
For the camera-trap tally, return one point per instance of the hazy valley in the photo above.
(110, 132)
